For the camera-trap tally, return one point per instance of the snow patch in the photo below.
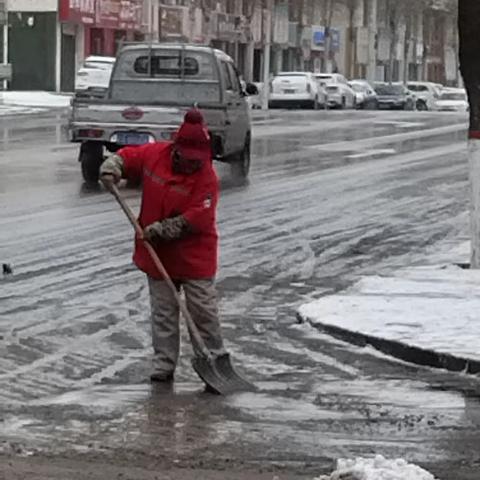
(35, 99)
(13, 110)
(378, 468)
(432, 308)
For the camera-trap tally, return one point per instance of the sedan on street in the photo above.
(394, 96)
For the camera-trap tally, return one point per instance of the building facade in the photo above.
(391, 40)
(47, 40)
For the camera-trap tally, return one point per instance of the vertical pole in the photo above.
(149, 20)
(5, 48)
(5, 42)
(266, 54)
(249, 60)
(58, 56)
(156, 19)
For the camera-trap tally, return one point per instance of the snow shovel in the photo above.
(216, 371)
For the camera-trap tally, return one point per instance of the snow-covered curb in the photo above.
(34, 99)
(377, 468)
(426, 315)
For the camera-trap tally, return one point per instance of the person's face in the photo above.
(181, 165)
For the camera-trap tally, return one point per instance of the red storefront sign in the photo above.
(77, 11)
(115, 14)
(120, 14)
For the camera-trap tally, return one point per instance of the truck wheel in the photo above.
(240, 166)
(91, 158)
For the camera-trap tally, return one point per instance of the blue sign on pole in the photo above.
(319, 37)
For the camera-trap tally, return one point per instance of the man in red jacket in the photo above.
(178, 215)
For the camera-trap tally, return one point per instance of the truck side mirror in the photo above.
(251, 89)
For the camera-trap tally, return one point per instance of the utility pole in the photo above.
(267, 52)
(469, 23)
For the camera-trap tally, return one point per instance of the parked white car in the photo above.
(94, 74)
(426, 93)
(340, 94)
(366, 97)
(296, 89)
(453, 100)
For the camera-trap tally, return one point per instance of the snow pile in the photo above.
(35, 99)
(378, 468)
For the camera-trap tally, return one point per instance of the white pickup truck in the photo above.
(151, 88)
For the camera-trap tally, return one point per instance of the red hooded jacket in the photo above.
(167, 195)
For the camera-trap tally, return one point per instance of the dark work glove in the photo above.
(166, 230)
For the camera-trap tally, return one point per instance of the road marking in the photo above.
(399, 124)
(369, 153)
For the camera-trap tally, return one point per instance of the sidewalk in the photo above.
(15, 103)
(424, 315)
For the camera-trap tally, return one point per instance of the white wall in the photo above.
(32, 5)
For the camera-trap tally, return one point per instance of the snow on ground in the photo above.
(433, 307)
(13, 110)
(378, 468)
(34, 99)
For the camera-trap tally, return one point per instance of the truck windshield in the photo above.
(166, 75)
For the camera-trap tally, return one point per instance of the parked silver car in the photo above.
(151, 88)
(339, 93)
(426, 93)
(366, 97)
(394, 96)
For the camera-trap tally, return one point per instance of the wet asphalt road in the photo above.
(332, 195)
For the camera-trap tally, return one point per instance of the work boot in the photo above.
(161, 377)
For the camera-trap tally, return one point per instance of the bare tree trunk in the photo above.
(372, 34)
(469, 24)
(329, 5)
(392, 23)
(352, 44)
(406, 48)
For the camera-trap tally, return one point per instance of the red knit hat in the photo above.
(192, 140)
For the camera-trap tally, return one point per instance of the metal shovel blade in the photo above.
(220, 376)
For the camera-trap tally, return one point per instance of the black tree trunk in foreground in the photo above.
(469, 31)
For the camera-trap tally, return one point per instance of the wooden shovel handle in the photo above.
(198, 343)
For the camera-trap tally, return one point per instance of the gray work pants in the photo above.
(202, 303)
